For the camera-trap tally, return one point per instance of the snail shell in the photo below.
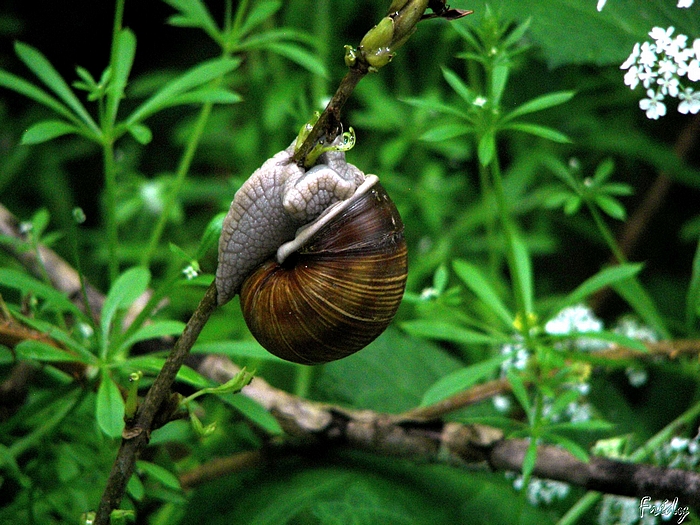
(334, 286)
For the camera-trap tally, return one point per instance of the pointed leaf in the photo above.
(692, 300)
(540, 103)
(29, 90)
(40, 351)
(141, 133)
(43, 69)
(126, 50)
(475, 280)
(192, 78)
(109, 409)
(446, 131)
(301, 56)
(461, 380)
(153, 331)
(445, 331)
(47, 130)
(435, 107)
(520, 392)
(603, 278)
(523, 265)
(611, 206)
(259, 12)
(456, 83)
(194, 14)
(200, 96)
(27, 284)
(487, 148)
(638, 298)
(160, 474)
(539, 131)
(125, 290)
(153, 365)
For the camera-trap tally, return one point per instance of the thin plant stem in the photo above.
(607, 234)
(181, 174)
(510, 235)
(110, 168)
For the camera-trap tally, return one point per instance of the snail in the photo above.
(317, 256)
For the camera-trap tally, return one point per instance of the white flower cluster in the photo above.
(543, 491)
(662, 67)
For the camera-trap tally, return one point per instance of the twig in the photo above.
(314, 423)
(138, 431)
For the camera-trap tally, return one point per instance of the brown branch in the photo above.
(309, 422)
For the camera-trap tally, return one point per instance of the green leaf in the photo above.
(574, 448)
(47, 130)
(461, 380)
(499, 78)
(538, 131)
(487, 148)
(109, 409)
(611, 206)
(210, 237)
(21, 86)
(250, 349)
(160, 474)
(126, 50)
(125, 290)
(192, 78)
(153, 365)
(520, 392)
(152, 331)
(446, 132)
(207, 94)
(301, 56)
(259, 12)
(605, 277)
(692, 300)
(523, 266)
(435, 106)
(445, 331)
(638, 298)
(194, 14)
(43, 69)
(530, 459)
(27, 284)
(141, 133)
(254, 412)
(40, 351)
(475, 280)
(456, 83)
(540, 103)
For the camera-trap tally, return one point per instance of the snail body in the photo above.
(318, 257)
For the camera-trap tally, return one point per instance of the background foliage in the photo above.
(505, 219)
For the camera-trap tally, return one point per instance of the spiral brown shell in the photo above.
(338, 293)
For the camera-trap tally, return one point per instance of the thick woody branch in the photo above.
(452, 443)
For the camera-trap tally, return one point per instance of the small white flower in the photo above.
(669, 86)
(501, 403)
(690, 101)
(694, 70)
(190, 272)
(647, 76)
(653, 106)
(647, 55)
(684, 3)
(632, 77)
(662, 37)
(636, 376)
(632, 58)
(667, 68)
